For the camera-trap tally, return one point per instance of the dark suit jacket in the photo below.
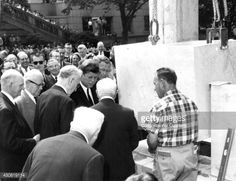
(106, 53)
(26, 107)
(49, 82)
(65, 157)
(54, 112)
(117, 139)
(80, 98)
(15, 137)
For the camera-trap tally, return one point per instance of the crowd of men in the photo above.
(60, 120)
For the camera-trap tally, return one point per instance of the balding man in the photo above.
(24, 62)
(33, 84)
(15, 135)
(53, 66)
(69, 157)
(82, 51)
(119, 134)
(102, 50)
(54, 109)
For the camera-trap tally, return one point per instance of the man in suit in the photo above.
(85, 95)
(24, 62)
(54, 109)
(16, 140)
(69, 157)
(101, 50)
(26, 102)
(53, 66)
(118, 136)
(39, 62)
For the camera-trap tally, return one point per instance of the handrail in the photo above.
(29, 18)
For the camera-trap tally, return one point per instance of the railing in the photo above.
(31, 19)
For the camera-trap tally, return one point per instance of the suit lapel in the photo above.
(27, 98)
(84, 96)
(52, 80)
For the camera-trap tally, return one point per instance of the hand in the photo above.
(37, 138)
(152, 141)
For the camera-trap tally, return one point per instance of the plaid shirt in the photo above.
(176, 120)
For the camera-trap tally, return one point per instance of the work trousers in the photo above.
(176, 163)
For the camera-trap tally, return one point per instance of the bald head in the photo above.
(23, 58)
(106, 87)
(87, 121)
(33, 81)
(12, 82)
(100, 46)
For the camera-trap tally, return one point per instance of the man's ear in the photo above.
(71, 80)
(162, 84)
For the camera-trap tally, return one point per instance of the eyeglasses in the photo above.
(42, 84)
(38, 62)
(24, 58)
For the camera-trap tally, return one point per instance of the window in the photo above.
(86, 23)
(97, 25)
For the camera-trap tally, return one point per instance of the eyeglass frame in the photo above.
(42, 84)
(38, 62)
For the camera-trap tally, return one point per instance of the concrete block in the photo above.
(223, 111)
(195, 62)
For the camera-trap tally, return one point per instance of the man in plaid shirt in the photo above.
(174, 130)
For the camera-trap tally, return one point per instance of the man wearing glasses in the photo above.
(33, 84)
(38, 63)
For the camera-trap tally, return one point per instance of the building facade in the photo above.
(99, 21)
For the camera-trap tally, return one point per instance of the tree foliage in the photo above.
(127, 8)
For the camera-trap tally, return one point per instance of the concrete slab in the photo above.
(196, 64)
(223, 108)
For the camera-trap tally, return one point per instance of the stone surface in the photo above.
(196, 64)
(223, 104)
(178, 19)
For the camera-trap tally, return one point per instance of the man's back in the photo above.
(64, 157)
(15, 134)
(54, 112)
(26, 107)
(117, 139)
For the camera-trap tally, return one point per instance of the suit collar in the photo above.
(27, 93)
(107, 101)
(9, 97)
(60, 88)
(78, 134)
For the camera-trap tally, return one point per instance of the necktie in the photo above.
(56, 78)
(35, 98)
(89, 98)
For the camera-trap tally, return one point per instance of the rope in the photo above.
(153, 37)
(225, 8)
(217, 10)
(154, 9)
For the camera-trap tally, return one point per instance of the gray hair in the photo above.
(87, 121)
(68, 71)
(32, 74)
(8, 77)
(106, 87)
